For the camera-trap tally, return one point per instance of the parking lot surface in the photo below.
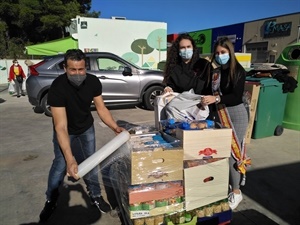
(271, 194)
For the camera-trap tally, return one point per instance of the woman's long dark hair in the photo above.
(173, 57)
(235, 68)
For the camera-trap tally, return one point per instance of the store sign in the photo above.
(201, 39)
(274, 29)
(232, 37)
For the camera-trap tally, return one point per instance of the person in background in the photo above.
(184, 69)
(17, 75)
(70, 97)
(223, 93)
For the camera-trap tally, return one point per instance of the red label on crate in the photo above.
(208, 151)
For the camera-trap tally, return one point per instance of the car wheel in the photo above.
(150, 96)
(45, 106)
(38, 109)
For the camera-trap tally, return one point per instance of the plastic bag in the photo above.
(24, 85)
(186, 107)
(11, 88)
(159, 106)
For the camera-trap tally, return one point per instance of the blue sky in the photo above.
(193, 15)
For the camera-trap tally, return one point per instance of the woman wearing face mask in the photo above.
(184, 69)
(223, 93)
(17, 75)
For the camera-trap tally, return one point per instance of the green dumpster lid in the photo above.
(264, 81)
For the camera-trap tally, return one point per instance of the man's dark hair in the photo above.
(74, 54)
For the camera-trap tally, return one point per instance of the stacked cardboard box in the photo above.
(206, 166)
(184, 178)
(156, 183)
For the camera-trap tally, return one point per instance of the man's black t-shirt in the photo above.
(76, 100)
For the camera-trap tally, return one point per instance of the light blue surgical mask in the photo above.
(222, 59)
(186, 53)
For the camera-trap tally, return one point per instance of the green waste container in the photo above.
(290, 57)
(270, 108)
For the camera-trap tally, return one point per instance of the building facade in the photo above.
(265, 39)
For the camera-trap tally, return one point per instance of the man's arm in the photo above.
(61, 128)
(105, 115)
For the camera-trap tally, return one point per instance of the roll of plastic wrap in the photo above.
(95, 159)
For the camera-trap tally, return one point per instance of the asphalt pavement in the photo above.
(271, 194)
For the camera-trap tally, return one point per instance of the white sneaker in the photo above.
(115, 213)
(234, 199)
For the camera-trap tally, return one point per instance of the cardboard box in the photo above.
(157, 165)
(157, 211)
(155, 191)
(251, 93)
(206, 143)
(206, 184)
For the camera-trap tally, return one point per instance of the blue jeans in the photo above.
(83, 146)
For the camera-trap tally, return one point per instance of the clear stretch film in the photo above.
(95, 159)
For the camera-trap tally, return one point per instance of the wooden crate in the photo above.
(251, 93)
(206, 184)
(199, 144)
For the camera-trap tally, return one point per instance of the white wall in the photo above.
(116, 36)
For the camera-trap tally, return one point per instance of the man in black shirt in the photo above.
(70, 97)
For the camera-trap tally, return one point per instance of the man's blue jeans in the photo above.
(83, 146)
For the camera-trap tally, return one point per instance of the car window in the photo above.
(106, 64)
(60, 65)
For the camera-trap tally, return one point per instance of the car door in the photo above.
(115, 86)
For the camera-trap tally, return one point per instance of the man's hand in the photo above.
(72, 169)
(118, 130)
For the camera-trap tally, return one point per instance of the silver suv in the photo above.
(122, 81)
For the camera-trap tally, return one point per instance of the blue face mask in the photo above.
(186, 53)
(222, 59)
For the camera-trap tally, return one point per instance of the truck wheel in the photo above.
(150, 95)
(278, 130)
(45, 106)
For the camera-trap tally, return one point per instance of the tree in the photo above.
(57, 15)
(3, 46)
(26, 22)
(158, 39)
(140, 46)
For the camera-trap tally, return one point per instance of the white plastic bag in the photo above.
(187, 106)
(11, 88)
(159, 106)
(24, 85)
